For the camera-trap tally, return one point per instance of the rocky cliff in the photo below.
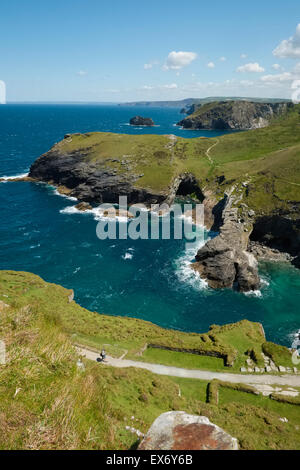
(248, 181)
(224, 260)
(237, 115)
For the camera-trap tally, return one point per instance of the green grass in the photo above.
(291, 412)
(268, 158)
(186, 360)
(95, 330)
(46, 402)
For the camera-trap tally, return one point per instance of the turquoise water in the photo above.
(148, 279)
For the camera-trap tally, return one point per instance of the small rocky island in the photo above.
(141, 121)
(233, 115)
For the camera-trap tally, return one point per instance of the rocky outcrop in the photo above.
(83, 206)
(233, 115)
(278, 234)
(177, 430)
(89, 181)
(224, 260)
(141, 121)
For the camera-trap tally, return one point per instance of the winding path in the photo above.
(209, 149)
(265, 379)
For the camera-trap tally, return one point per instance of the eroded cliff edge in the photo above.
(236, 115)
(249, 184)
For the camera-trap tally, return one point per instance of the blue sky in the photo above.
(88, 50)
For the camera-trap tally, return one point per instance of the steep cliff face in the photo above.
(89, 182)
(224, 260)
(238, 115)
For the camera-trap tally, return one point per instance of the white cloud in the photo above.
(279, 77)
(223, 59)
(252, 67)
(211, 65)
(246, 83)
(82, 73)
(243, 56)
(150, 65)
(172, 86)
(289, 47)
(297, 68)
(276, 67)
(178, 60)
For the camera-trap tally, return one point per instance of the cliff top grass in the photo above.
(269, 157)
(228, 342)
(47, 402)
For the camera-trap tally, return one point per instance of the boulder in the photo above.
(141, 121)
(111, 213)
(177, 430)
(83, 206)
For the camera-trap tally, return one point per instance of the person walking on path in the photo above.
(103, 355)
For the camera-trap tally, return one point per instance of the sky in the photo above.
(129, 50)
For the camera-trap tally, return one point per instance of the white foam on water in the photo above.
(72, 210)
(76, 270)
(184, 272)
(7, 178)
(127, 256)
(71, 198)
(96, 212)
(254, 293)
(264, 282)
(295, 338)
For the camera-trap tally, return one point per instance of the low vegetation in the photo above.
(48, 402)
(221, 347)
(268, 159)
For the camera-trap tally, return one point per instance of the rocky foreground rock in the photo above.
(238, 115)
(177, 430)
(141, 121)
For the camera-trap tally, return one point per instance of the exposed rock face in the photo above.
(279, 233)
(224, 260)
(141, 121)
(239, 115)
(88, 181)
(177, 430)
(83, 206)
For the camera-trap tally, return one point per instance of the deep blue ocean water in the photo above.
(148, 279)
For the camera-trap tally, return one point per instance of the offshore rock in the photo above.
(177, 430)
(141, 121)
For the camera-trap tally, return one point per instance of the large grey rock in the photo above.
(177, 430)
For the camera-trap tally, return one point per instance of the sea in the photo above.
(41, 232)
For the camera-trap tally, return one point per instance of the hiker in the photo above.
(103, 355)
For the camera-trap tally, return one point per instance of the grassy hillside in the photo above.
(46, 402)
(119, 334)
(267, 158)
